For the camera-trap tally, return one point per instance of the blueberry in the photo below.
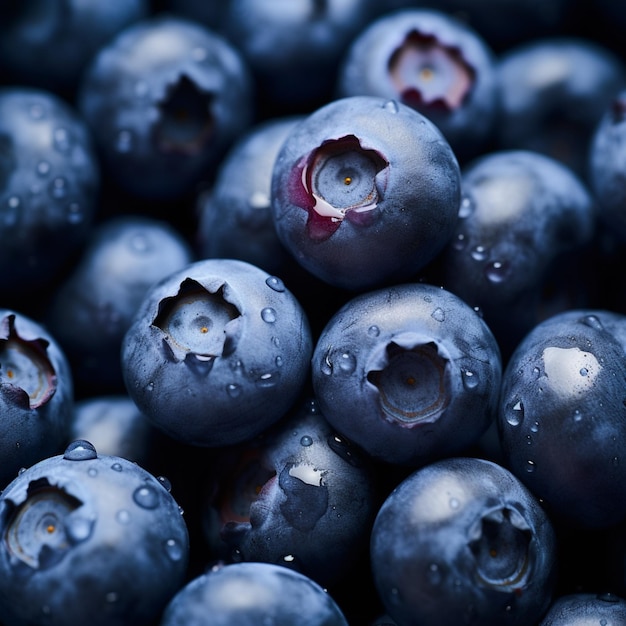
(94, 305)
(552, 92)
(249, 594)
(606, 166)
(217, 352)
(293, 48)
(462, 541)
(234, 215)
(49, 181)
(582, 608)
(561, 416)
(522, 212)
(410, 373)
(299, 496)
(165, 98)
(49, 44)
(365, 191)
(433, 62)
(88, 538)
(36, 394)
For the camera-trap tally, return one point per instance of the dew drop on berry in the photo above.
(80, 450)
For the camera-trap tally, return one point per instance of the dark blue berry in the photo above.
(365, 191)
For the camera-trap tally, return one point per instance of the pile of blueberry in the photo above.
(312, 313)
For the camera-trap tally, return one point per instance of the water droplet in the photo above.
(459, 243)
(80, 450)
(608, 597)
(515, 414)
(43, 168)
(268, 314)
(279, 361)
(584, 371)
(466, 208)
(454, 503)
(529, 440)
(92, 471)
(530, 466)
(373, 331)
(61, 139)
(116, 467)
(306, 441)
(233, 390)
(21, 471)
(174, 550)
(439, 315)
(123, 516)
(311, 406)
(124, 141)
(267, 380)
(74, 214)
(79, 528)
(275, 283)
(534, 427)
(289, 558)
(146, 497)
(58, 188)
(11, 210)
(615, 461)
(603, 622)
(150, 386)
(592, 321)
(497, 271)
(479, 253)
(165, 483)
(347, 363)
(577, 415)
(470, 380)
(391, 106)
(344, 449)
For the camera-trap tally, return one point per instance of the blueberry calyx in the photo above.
(412, 379)
(26, 372)
(199, 324)
(428, 73)
(501, 549)
(36, 533)
(185, 124)
(341, 179)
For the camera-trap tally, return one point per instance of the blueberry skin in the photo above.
(410, 373)
(462, 541)
(581, 609)
(433, 62)
(553, 91)
(293, 49)
(561, 416)
(89, 538)
(249, 594)
(165, 98)
(299, 496)
(49, 44)
(234, 215)
(49, 184)
(93, 307)
(36, 394)
(365, 191)
(521, 213)
(217, 352)
(606, 165)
